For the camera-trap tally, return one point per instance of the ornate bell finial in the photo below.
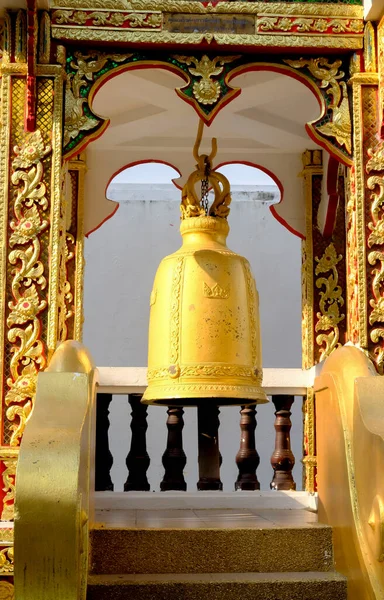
(204, 332)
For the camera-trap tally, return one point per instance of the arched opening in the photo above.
(141, 162)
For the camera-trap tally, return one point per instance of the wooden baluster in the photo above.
(174, 459)
(209, 455)
(247, 458)
(282, 459)
(137, 459)
(103, 458)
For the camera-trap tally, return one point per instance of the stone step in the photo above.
(214, 586)
(266, 547)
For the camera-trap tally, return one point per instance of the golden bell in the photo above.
(204, 331)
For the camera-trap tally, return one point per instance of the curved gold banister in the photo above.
(350, 450)
(55, 481)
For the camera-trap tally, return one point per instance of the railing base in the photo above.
(205, 500)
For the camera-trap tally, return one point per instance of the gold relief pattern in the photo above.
(7, 590)
(85, 67)
(330, 301)
(205, 371)
(126, 20)
(352, 259)
(329, 75)
(206, 90)
(6, 561)
(8, 477)
(216, 292)
(376, 256)
(118, 35)
(191, 6)
(175, 318)
(310, 459)
(304, 25)
(28, 283)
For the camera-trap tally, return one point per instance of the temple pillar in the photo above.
(41, 256)
(365, 216)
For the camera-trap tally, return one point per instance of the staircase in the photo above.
(257, 554)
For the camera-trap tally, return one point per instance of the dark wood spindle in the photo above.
(209, 454)
(138, 459)
(174, 459)
(282, 459)
(247, 458)
(103, 458)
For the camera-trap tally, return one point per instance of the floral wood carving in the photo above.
(85, 67)
(6, 560)
(309, 25)
(28, 281)
(8, 477)
(205, 89)
(376, 256)
(329, 75)
(330, 301)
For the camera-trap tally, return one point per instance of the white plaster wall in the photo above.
(121, 261)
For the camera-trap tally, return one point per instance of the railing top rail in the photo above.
(133, 380)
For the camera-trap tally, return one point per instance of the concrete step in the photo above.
(214, 586)
(264, 547)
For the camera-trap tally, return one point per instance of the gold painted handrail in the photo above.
(350, 449)
(53, 508)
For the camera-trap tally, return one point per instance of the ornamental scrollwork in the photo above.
(376, 256)
(84, 67)
(131, 20)
(28, 283)
(331, 300)
(8, 477)
(7, 590)
(329, 75)
(308, 25)
(205, 89)
(6, 560)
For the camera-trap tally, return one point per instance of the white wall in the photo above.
(121, 261)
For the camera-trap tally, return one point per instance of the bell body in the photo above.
(204, 333)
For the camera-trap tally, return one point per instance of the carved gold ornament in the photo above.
(206, 90)
(85, 66)
(376, 256)
(24, 324)
(7, 591)
(8, 476)
(131, 20)
(6, 560)
(329, 75)
(330, 301)
(309, 25)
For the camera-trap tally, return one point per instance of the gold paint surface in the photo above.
(55, 481)
(349, 412)
(204, 345)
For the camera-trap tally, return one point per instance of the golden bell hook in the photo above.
(196, 147)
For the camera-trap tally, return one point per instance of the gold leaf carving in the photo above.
(6, 561)
(206, 91)
(8, 477)
(376, 257)
(330, 301)
(7, 590)
(306, 25)
(328, 74)
(28, 281)
(85, 67)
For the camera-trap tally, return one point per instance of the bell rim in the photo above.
(237, 393)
